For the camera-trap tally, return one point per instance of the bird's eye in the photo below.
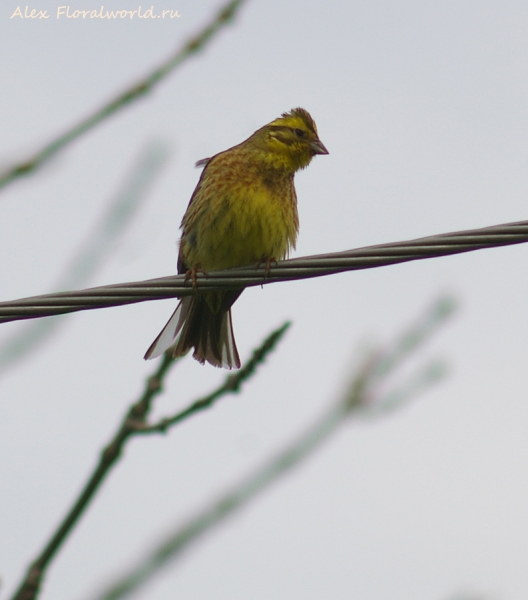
(299, 133)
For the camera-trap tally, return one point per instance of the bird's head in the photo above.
(291, 140)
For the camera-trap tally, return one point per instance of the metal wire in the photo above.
(286, 270)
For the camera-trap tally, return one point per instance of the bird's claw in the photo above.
(267, 265)
(192, 274)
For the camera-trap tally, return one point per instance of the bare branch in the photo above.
(232, 385)
(136, 91)
(130, 426)
(359, 398)
(94, 251)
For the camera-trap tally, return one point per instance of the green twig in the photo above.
(29, 588)
(95, 250)
(231, 385)
(359, 397)
(138, 90)
(134, 423)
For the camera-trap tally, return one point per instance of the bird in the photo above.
(242, 212)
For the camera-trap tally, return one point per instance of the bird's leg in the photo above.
(192, 274)
(267, 265)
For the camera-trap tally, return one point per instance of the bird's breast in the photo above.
(244, 224)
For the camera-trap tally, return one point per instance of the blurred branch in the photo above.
(232, 385)
(359, 398)
(29, 588)
(130, 426)
(95, 250)
(139, 89)
(284, 270)
(415, 336)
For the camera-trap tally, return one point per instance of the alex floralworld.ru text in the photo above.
(102, 13)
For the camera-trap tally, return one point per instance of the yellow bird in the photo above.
(242, 212)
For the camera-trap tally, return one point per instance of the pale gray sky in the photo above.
(423, 107)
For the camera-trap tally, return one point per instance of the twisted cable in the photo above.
(286, 270)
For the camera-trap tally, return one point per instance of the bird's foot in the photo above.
(267, 265)
(192, 274)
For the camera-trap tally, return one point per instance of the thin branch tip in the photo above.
(123, 99)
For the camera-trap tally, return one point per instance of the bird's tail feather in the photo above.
(168, 334)
(209, 332)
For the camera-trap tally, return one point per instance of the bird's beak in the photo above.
(318, 147)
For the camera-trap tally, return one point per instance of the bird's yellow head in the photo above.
(291, 141)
